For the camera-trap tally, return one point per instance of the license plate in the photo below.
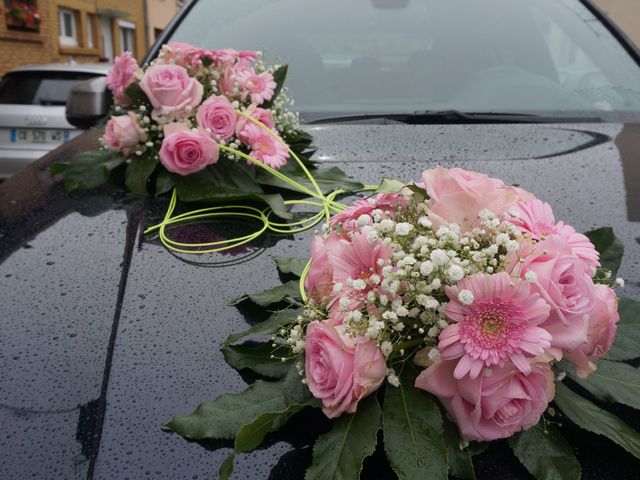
(38, 135)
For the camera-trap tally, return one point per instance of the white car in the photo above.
(32, 110)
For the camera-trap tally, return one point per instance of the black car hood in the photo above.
(106, 336)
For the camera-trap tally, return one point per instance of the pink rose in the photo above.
(171, 91)
(120, 76)
(319, 280)
(341, 370)
(496, 404)
(123, 133)
(458, 196)
(185, 151)
(565, 282)
(260, 114)
(218, 116)
(603, 320)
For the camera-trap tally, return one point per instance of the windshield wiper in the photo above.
(437, 117)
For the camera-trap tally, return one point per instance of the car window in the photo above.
(39, 88)
(407, 55)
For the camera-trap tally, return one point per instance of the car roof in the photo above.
(99, 68)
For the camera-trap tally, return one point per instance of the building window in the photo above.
(127, 36)
(68, 27)
(90, 38)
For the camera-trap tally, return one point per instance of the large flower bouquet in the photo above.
(445, 312)
(215, 125)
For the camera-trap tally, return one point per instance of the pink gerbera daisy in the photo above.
(500, 323)
(357, 259)
(264, 147)
(260, 87)
(536, 217)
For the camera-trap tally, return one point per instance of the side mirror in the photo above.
(88, 103)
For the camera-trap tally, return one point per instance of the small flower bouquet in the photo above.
(23, 15)
(445, 312)
(214, 125)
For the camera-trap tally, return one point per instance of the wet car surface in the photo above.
(106, 335)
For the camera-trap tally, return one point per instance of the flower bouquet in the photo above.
(212, 125)
(449, 311)
(23, 15)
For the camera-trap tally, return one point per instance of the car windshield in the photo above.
(39, 87)
(362, 56)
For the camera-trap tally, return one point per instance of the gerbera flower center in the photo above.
(490, 331)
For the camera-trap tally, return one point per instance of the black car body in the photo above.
(105, 335)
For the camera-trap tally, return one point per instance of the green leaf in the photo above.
(276, 202)
(223, 417)
(279, 76)
(138, 172)
(225, 181)
(610, 247)
(420, 194)
(627, 343)
(390, 185)
(270, 325)
(91, 169)
(327, 179)
(613, 382)
(291, 289)
(460, 464)
(164, 182)
(58, 168)
(545, 454)
(413, 432)
(338, 454)
(137, 96)
(226, 469)
(586, 415)
(251, 435)
(292, 265)
(257, 358)
(296, 397)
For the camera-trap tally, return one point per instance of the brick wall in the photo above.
(26, 47)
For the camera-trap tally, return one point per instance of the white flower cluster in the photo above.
(400, 305)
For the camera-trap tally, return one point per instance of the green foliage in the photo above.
(460, 464)
(226, 469)
(545, 453)
(613, 382)
(413, 432)
(610, 247)
(292, 265)
(270, 325)
(586, 415)
(339, 453)
(139, 171)
(626, 345)
(390, 185)
(278, 294)
(257, 358)
(327, 179)
(90, 169)
(223, 417)
(279, 76)
(164, 182)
